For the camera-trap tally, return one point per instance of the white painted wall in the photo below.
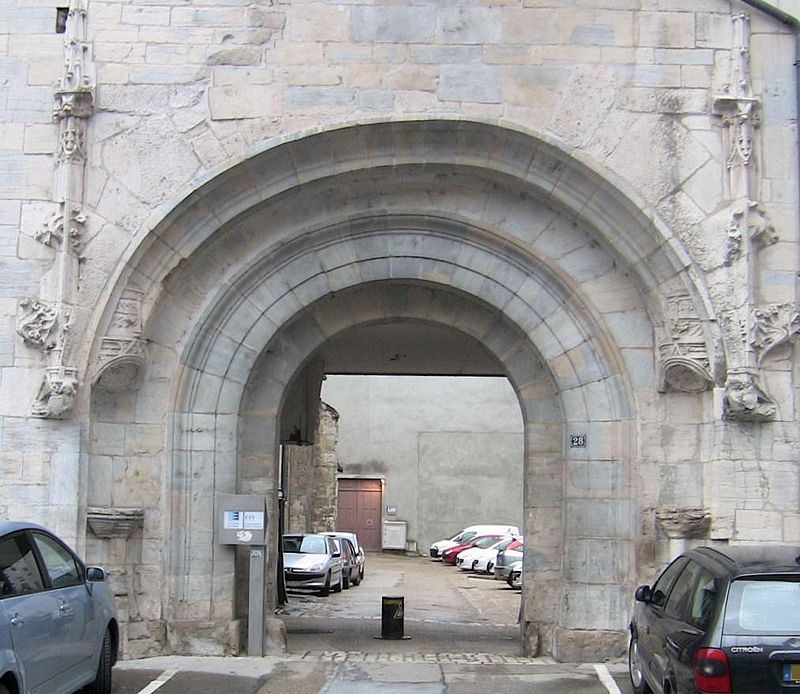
(450, 448)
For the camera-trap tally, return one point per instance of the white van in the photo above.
(470, 532)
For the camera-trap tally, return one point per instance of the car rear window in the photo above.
(764, 606)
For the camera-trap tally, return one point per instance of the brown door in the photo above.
(358, 510)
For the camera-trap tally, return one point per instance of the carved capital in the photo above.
(109, 523)
(57, 393)
(38, 324)
(771, 326)
(683, 523)
(745, 400)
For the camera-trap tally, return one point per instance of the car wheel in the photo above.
(635, 669)
(338, 587)
(346, 581)
(3, 690)
(102, 682)
(327, 589)
(361, 575)
(475, 565)
(490, 568)
(357, 579)
(515, 579)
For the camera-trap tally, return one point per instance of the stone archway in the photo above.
(484, 230)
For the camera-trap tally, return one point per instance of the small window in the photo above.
(60, 564)
(19, 573)
(61, 19)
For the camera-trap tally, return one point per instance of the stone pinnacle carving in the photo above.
(39, 325)
(748, 335)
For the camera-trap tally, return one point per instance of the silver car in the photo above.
(505, 560)
(58, 622)
(361, 556)
(312, 561)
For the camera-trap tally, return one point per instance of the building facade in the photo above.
(206, 206)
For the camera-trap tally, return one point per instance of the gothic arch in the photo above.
(489, 231)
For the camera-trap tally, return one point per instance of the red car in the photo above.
(483, 541)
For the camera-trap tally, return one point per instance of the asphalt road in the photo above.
(461, 631)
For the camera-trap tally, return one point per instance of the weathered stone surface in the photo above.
(537, 180)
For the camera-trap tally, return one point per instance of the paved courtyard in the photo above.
(462, 634)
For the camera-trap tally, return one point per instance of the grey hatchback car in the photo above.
(723, 619)
(58, 622)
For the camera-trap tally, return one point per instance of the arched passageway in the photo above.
(486, 232)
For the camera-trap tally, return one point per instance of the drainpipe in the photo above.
(793, 23)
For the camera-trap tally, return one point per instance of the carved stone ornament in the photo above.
(38, 324)
(683, 360)
(57, 393)
(683, 523)
(123, 356)
(121, 364)
(733, 229)
(54, 229)
(744, 400)
(772, 326)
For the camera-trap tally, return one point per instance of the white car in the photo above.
(361, 555)
(481, 559)
(467, 534)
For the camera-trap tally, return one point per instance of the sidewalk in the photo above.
(367, 673)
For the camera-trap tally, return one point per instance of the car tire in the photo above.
(346, 581)
(324, 592)
(490, 568)
(474, 565)
(515, 579)
(357, 579)
(3, 690)
(102, 681)
(638, 682)
(338, 587)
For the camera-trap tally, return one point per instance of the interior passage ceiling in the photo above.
(407, 349)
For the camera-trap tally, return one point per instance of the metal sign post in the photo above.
(242, 520)
(255, 620)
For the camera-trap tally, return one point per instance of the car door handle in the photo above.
(17, 621)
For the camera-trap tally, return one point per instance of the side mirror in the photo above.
(643, 594)
(94, 574)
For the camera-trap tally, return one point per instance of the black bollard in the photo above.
(392, 617)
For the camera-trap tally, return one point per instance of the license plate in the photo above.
(791, 673)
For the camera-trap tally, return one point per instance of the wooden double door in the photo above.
(358, 510)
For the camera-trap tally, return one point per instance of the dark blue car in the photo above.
(723, 620)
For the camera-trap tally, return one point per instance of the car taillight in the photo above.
(712, 674)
